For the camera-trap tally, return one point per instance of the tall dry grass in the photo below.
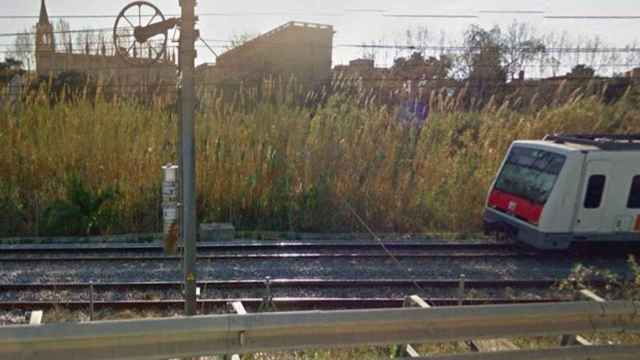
(274, 164)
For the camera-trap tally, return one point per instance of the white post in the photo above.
(170, 207)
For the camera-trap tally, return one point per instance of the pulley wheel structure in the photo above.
(140, 33)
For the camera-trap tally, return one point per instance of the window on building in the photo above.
(634, 193)
(595, 190)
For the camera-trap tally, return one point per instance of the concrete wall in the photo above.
(106, 68)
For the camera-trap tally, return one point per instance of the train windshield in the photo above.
(530, 174)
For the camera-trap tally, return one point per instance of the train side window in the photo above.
(595, 190)
(634, 193)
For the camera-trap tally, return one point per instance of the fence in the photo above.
(190, 337)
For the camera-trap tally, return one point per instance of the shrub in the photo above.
(84, 211)
(610, 285)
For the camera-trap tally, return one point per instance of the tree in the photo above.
(62, 30)
(23, 48)
(9, 68)
(239, 40)
(496, 55)
(520, 47)
(417, 67)
(88, 40)
(581, 71)
(483, 54)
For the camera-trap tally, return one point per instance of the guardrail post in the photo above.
(461, 290)
(408, 350)
(572, 340)
(202, 307)
(91, 306)
(240, 310)
(36, 317)
(267, 303)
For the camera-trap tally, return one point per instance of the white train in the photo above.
(566, 189)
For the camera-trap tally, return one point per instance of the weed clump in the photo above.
(83, 211)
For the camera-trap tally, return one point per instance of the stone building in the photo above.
(357, 66)
(298, 49)
(633, 74)
(112, 69)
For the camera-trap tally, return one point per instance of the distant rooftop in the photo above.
(269, 35)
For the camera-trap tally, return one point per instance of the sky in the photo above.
(355, 27)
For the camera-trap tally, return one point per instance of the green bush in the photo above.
(84, 211)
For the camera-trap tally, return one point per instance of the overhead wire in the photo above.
(442, 48)
(384, 247)
(444, 83)
(468, 14)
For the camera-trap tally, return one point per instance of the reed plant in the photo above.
(274, 162)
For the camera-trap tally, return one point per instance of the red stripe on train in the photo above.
(514, 205)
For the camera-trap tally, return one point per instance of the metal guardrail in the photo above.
(190, 337)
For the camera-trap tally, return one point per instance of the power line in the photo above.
(86, 16)
(469, 14)
(448, 48)
(432, 16)
(516, 12)
(365, 10)
(589, 17)
(58, 32)
(533, 64)
(467, 48)
(206, 14)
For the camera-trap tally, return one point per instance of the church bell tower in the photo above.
(45, 43)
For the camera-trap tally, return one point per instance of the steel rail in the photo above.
(262, 332)
(253, 250)
(290, 283)
(259, 245)
(276, 256)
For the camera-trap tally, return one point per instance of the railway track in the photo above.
(274, 250)
(319, 293)
(379, 292)
(54, 275)
(256, 250)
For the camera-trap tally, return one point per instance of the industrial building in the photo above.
(298, 49)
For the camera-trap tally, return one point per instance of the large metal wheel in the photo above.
(137, 15)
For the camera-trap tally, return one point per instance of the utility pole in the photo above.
(188, 35)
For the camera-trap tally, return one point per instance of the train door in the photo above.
(628, 219)
(592, 209)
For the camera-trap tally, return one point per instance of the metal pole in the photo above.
(187, 67)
